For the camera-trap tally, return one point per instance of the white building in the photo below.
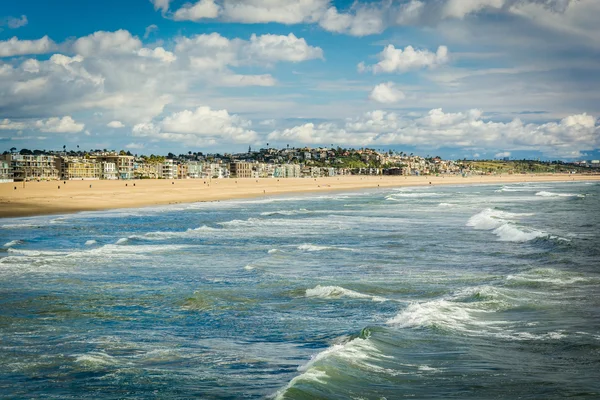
(169, 169)
(109, 171)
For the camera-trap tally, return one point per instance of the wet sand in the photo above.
(39, 198)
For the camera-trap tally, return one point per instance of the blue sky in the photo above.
(455, 78)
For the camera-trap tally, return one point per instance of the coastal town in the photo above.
(36, 165)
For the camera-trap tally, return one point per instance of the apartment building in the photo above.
(124, 164)
(30, 167)
(6, 172)
(75, 168)
(168, 170)
(241, 170)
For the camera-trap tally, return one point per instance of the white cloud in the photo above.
(104, 43)
(280, 11)
(149, 30)
(565, 138)
(59, 125)
(158, 53)
(194, 12)
(201, 126)
(273, 48)
(115, 124)
(16, 47)
(398, 60)
(213, 51)
(162, 5)
(7, 124)
(13, 23)
(135, 146)
(386, 93)
(502, 154)
(247, 80)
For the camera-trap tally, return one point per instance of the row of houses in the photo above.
(17, 167)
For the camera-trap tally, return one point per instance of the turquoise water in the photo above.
(434, 292)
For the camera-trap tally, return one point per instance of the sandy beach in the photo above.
(57, 197)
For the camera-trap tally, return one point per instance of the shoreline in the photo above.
(56, 197)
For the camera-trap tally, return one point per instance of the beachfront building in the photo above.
(263, 170)
(215, 171)
(194, 169)
(108, 171)
(241, 170)
(123, 163)
(144, 170)
(287, 171)
(168, 169)
(182, 171)
(6, 174)
(30, 167)
(75, 168)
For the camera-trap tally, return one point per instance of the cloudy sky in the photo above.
(456, 78)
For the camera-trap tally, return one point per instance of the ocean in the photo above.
(450, 292)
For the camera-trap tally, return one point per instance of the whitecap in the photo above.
(336, 292)
(90, 242)
(312, 247)
(548, 276)
(400, 196)
(13, 243)
(553, 194)
(95, 360)
(121, 241)
(513, 233)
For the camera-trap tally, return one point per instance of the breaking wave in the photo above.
(13, 243)
(504, 225)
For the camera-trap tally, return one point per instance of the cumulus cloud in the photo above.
(59, 125)
(213, 51)
(7, 124)
(363, 18)
(502, 154)
(115, 124)
(16, 47)
(273, 48)
(253, 11)
(102, 43)
(113, 73)
(386, 93)
(203, 126)
(437, 129)
(158, 53)
(204, 9)
(398, 60)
